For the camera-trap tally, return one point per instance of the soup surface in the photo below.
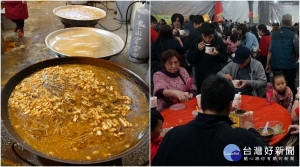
(83, 43)
(79, 13)
(78, 112)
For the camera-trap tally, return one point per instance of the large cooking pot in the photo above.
(11, 84)
(79, 22)
(116, 45)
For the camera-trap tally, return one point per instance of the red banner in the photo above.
(250, 14)
(218, 11)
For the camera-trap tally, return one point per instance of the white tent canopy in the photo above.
(234, 10)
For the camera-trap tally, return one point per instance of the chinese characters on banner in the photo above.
(270, 153)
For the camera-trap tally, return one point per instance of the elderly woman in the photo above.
(247, 39)
(172, 82)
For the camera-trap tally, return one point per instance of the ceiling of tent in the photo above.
(234, 10)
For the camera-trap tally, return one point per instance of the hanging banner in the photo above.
(250, 14)
(256, 19)
(218, 11)
(206, 17)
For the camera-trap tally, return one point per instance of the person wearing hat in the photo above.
(248, 71)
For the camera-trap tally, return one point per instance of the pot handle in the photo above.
(19, 156)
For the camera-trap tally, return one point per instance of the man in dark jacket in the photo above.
(283, 51)
(209, 140)
(195, 33)
(205, 62)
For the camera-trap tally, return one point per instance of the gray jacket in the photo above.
(258, 76)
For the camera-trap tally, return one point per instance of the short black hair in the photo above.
(177, 15)
(198, 19)
(191, 17)
(216, 93)
(153, 19)
(275, 24)
(264, 29)
(278, 74)
(155, 116)
(208, 28)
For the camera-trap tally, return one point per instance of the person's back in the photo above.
(282, 48)
(210, 139)
(202, 141)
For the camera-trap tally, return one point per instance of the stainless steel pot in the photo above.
(79, 22)
(117, 41)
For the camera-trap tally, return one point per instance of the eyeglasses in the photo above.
(173, 63)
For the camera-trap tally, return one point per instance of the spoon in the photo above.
(266, 128)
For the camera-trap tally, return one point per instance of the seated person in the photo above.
(248, 71)
(282, 94)
(172, 82)
(202, 141)
(156, 129)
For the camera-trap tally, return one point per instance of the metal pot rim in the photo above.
(79, 6)
(117, 39)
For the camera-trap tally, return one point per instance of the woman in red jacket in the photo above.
(264, 44)
(17, 11)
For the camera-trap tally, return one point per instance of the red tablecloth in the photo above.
(261, 114)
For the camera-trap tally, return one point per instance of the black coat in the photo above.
(201, 142)
(206, 64)
(193, 35)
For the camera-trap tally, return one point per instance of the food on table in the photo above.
(79, 13)
(277, 129)
(239, 117)
(266, 135)
(78, 112)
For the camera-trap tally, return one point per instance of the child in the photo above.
(282, 94)
(156, 128)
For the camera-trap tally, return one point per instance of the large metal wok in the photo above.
(116, 47)
(10, 85)
(77, 22)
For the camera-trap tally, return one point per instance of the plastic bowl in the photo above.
(267, 136)
(274, 123)
(276, 126)
(178, 106)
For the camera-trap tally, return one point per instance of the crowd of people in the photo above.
(215, 54)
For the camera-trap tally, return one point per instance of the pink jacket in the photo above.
(164, 80)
